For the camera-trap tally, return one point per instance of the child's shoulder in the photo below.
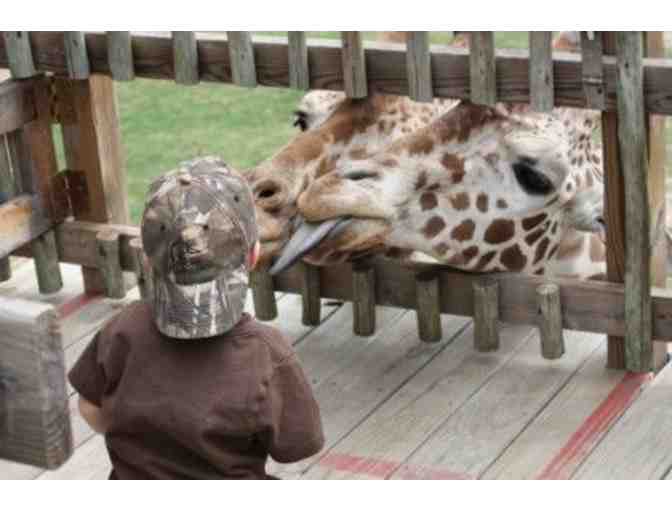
(275, 341)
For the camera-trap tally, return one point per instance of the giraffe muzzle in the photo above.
(306, 237)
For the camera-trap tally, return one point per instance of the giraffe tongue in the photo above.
(306, 237)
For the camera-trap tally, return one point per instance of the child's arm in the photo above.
(93, 415)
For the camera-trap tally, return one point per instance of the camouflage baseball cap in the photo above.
(197, 229)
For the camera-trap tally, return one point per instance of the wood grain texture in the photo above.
(8, 190)
(364, 299)
(541, 71)
(76, 56)
(34, 411)
(185, 58)
(22, 219)
(108, 257)
(482, 68)
(241, 54)
(550, 321)
(593, 76)
(16, 105)
(385, 63)
(19, 54)
(419, 67)
(120, 55)
(428, 307)
(486, 315)
(354, 65)
(45, 256)
(634, 160)
(299, 74)
(140, 268)
(310, 294)
(261, 284)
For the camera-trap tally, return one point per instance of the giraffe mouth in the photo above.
(306, 237)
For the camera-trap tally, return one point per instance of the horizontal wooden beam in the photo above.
(22, 219)
(17, 105)
(385, 67)
(592, 306)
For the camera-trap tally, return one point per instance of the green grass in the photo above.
(163, 124)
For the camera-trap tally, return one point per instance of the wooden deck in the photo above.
(395, 408)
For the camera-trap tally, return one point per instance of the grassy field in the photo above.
(163, 124)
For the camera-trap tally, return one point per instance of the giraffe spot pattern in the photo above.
(485, 260)
(464, 231)
(541, 250)
(513, 258)
(460, 201)
(500, 231)
(501, 203)
(428, 201)
(482, 202)
(433, 226)
(533, 221)
(534, 236)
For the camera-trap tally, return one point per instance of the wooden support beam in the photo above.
(354, 65)
(22, 219)
(140, 268)
(363, 299)
(486, 315)
(299, 74)
(541, 71)
(419, 67)
(482, 68)
(92, 143)
(120, 55)
(593, 74)
(45, 255)
(263, 294)
(19, 54)
(428, 307)
(550, 321)
(76, 56)
(17, 105)
(34, 415)
(185, 58)
(241, 54)
(310, 293)
(110, 265)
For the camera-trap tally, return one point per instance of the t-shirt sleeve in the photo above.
(87, 376)
(295, 423)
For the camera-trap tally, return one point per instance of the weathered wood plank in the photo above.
(550, 321)
(108, 256)
(364, 299)
(22, 219)
(45, 256)
(33, 408)
(19, 54)
(261, 284)
(428, 307)
(541, 71)
(16, 105)
(395, 429)
(593, 76)
(310, 294)
(120, 55)
(76, 56)
(477, 434)
(482, 68)
(354, 65)
(140, 268)
(299, 74)
(418, 67)
(241, 55)
(185, 58)
(634, 160)
(385, 67)
(641, 436)
(486, 315)
(7, 190)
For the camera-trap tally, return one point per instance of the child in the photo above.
(188, 385)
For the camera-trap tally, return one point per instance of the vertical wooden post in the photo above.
(486, 315)
(541, 71)
(354, 65)
(428, 307)
(299, 75)
(107, 244)
(364, 299)
(591, 68)
(76, 56)
(419, 67)
(263, 294)
(19, 54)
(140, 269)
(310, 293)
(93, 146)
(185, 58)
(120, 55)
(482, 68)
(550, 321)
(241, 54)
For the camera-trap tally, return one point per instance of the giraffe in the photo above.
(480, 189)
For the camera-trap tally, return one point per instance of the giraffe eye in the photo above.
(531, 180)
(360, 175)
(301, 120)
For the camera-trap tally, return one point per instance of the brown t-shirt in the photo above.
(201, 409)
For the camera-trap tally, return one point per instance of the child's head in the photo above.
(200, 235)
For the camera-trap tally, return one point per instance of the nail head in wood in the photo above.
(45, 256)
(428, 307)
(241, 54)
(486, 315)
(120, 55)
(19, 54)
(185, 58)
(310, 294)
(550, 321)
(541, 71)
(419, 67)
(76, 55)
(299, 75)
(263, 294)
(109, 264)
(354, 65)
(364, 299)
(482, 71)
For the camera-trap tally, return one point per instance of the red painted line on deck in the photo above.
(70, 307)
(562, 466)
(377, 468)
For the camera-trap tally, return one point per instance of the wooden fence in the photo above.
(611, 74)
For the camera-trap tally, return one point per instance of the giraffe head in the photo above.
(480, 189)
